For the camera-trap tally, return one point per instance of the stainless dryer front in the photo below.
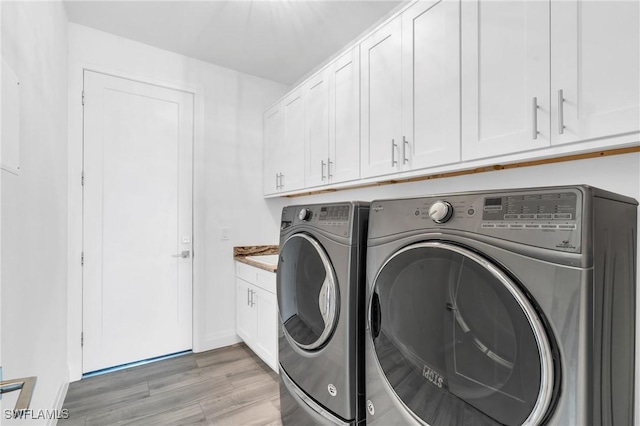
(502, 308)
(320, 286)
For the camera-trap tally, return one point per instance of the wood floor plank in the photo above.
(258, 413)
(221, 356)
(159, 402)
(175, 381)
(188, 415)
(220, 405)
(90, 404)
(230, 386)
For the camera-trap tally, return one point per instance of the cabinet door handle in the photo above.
(322, 164)
(405, 143)
(252, 293)
(393, 153)
(277, 180)
(281, 180)
(535, 118)
(560, 111)
(329, 163)
(248, 298)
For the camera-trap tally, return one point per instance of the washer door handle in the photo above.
(376, 315)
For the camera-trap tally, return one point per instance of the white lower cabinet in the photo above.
(256, 312)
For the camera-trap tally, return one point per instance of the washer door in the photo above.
(457, 340)
(308, 297)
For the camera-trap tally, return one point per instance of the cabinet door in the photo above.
(291, 157)
(273, 139)
(505, 77)
(267, 326)
(344, 122)
(245, 314)
(431, 84)
(595, 59)
(317, 129)
(381, 100)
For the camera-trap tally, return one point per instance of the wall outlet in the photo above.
(224, 235)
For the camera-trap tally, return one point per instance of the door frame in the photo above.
(75, 206)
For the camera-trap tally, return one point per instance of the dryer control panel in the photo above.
(333, 218)
(546, 218)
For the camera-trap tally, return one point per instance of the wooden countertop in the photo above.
(240, 254)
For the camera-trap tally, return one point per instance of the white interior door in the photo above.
(137, 221)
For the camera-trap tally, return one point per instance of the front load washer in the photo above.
(502, 308)
(320, 287)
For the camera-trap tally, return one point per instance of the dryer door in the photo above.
(457, 340)
(308, 297)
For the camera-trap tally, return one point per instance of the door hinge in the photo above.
(83, 97)
(82, 179)
(82, 259)
(82, 339)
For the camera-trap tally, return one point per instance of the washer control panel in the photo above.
(548, 218)
(545, 211)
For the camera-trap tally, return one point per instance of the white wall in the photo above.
(34, 205)
(227, 173)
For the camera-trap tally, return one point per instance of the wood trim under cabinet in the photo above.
(492, 168)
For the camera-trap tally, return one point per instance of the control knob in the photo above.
(305, 214)
(440, 211)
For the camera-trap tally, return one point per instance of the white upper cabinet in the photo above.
(344, 121)
(505, 77)
(595, 69)
(381, 100)
(284, 140)
(317, 129)
(411, 90)
(431, 84)
(291, 156)
(273, 139)
(333, 122)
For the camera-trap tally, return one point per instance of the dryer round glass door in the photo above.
(307, 289)
(457, 340)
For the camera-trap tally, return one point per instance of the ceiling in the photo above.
(280, 40)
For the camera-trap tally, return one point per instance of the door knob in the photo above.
(185, 254)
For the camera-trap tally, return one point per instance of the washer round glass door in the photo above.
(308, 297)
(457, 340)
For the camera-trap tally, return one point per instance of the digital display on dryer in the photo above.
(334, 213)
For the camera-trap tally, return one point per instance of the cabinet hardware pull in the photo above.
(277, 180)
(248, 298)
(281, 180)
(393, 153)
(560, 111)
(535, 118)
(252, 293)
(322, 164)
(405, 143)
(329, 163)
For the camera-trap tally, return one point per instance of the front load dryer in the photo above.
(320, 287)
(513, 307)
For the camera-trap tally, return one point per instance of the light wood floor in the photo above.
(228, 386)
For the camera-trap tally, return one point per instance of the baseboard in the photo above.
(59, 402)
(217, 340)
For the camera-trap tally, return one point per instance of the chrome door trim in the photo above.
(25, 386)
(544, 348)
(327, 299)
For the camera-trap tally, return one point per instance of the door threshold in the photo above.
(134, 364)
